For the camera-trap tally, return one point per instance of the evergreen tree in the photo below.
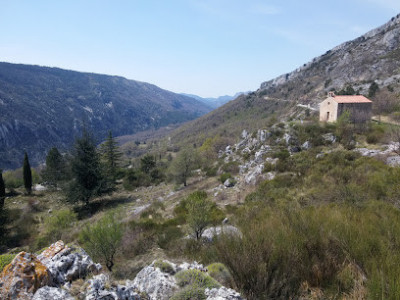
(27, 174)
(86, 170)
(147, 163)
(55, 170)
(2, 191)
(111, 156)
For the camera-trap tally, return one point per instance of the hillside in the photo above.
(43, 107)
(374, 56)
(350, 67)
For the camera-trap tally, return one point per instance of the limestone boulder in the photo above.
(229, 183)
(68, 263)
(100, 288)
(52, 293)
(222, 293)
(23, 277)
(212, 232)
(155, 283)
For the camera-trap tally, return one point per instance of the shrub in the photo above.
(196, 278)
(102, 239)
(221, 274)
(199, 212)
(164, 266)
(224, 177)
(283, 154)
(5, 259)
(190, 293)
(59, 223)
(231, 167)
(375, 134)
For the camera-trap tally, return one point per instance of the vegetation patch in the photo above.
(195, 278)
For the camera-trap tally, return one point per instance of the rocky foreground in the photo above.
(67, 272)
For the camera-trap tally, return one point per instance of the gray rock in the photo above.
(251, 177)
(393, 161)
(329, 137)
(52, 293)
(259, 156)
(191, 266)
(100, 288)
(69, 264)
(287, 137)
(262, 135)
(244, 134)
(306, 145)
(212, 232)
(246, 150)
(222, 293)
(229, 183)
(155, 283)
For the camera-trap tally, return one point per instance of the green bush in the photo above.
(190, 293)
(5, 259)
(224, 177)
(375, 134)
(59, 223)
(196, 278)
(164, 266)
(231, 167)
(221, 274)
(102, 239)
(283, 154)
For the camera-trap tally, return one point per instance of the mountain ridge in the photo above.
(356, 64)
(44, 107)
(372, 56)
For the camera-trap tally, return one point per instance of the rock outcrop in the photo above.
(68, 263)
(49, 277)
(212, 232)
(97, 289)
(222, 293)
(52, 293)
(368, 58)
(156, 283)
(23, 277)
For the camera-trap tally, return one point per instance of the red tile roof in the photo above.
(351, 99)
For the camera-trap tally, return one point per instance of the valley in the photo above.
(256, 199)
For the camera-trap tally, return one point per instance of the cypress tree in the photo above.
(27, 174)
(2, 191)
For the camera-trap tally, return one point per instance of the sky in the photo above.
(208, 48)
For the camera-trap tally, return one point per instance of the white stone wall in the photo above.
(330, 106)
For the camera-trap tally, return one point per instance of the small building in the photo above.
(359, 107)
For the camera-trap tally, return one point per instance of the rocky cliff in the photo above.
(375, 56)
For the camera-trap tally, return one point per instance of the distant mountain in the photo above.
(41, 107)
(374, 56)
(215, 102)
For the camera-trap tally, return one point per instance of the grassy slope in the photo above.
(250, 112)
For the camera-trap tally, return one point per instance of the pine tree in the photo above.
(55, 170)
(27, 174)
(111, 156)
(2, 191)
(86, 170)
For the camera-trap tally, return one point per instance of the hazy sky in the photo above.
(203, 47)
